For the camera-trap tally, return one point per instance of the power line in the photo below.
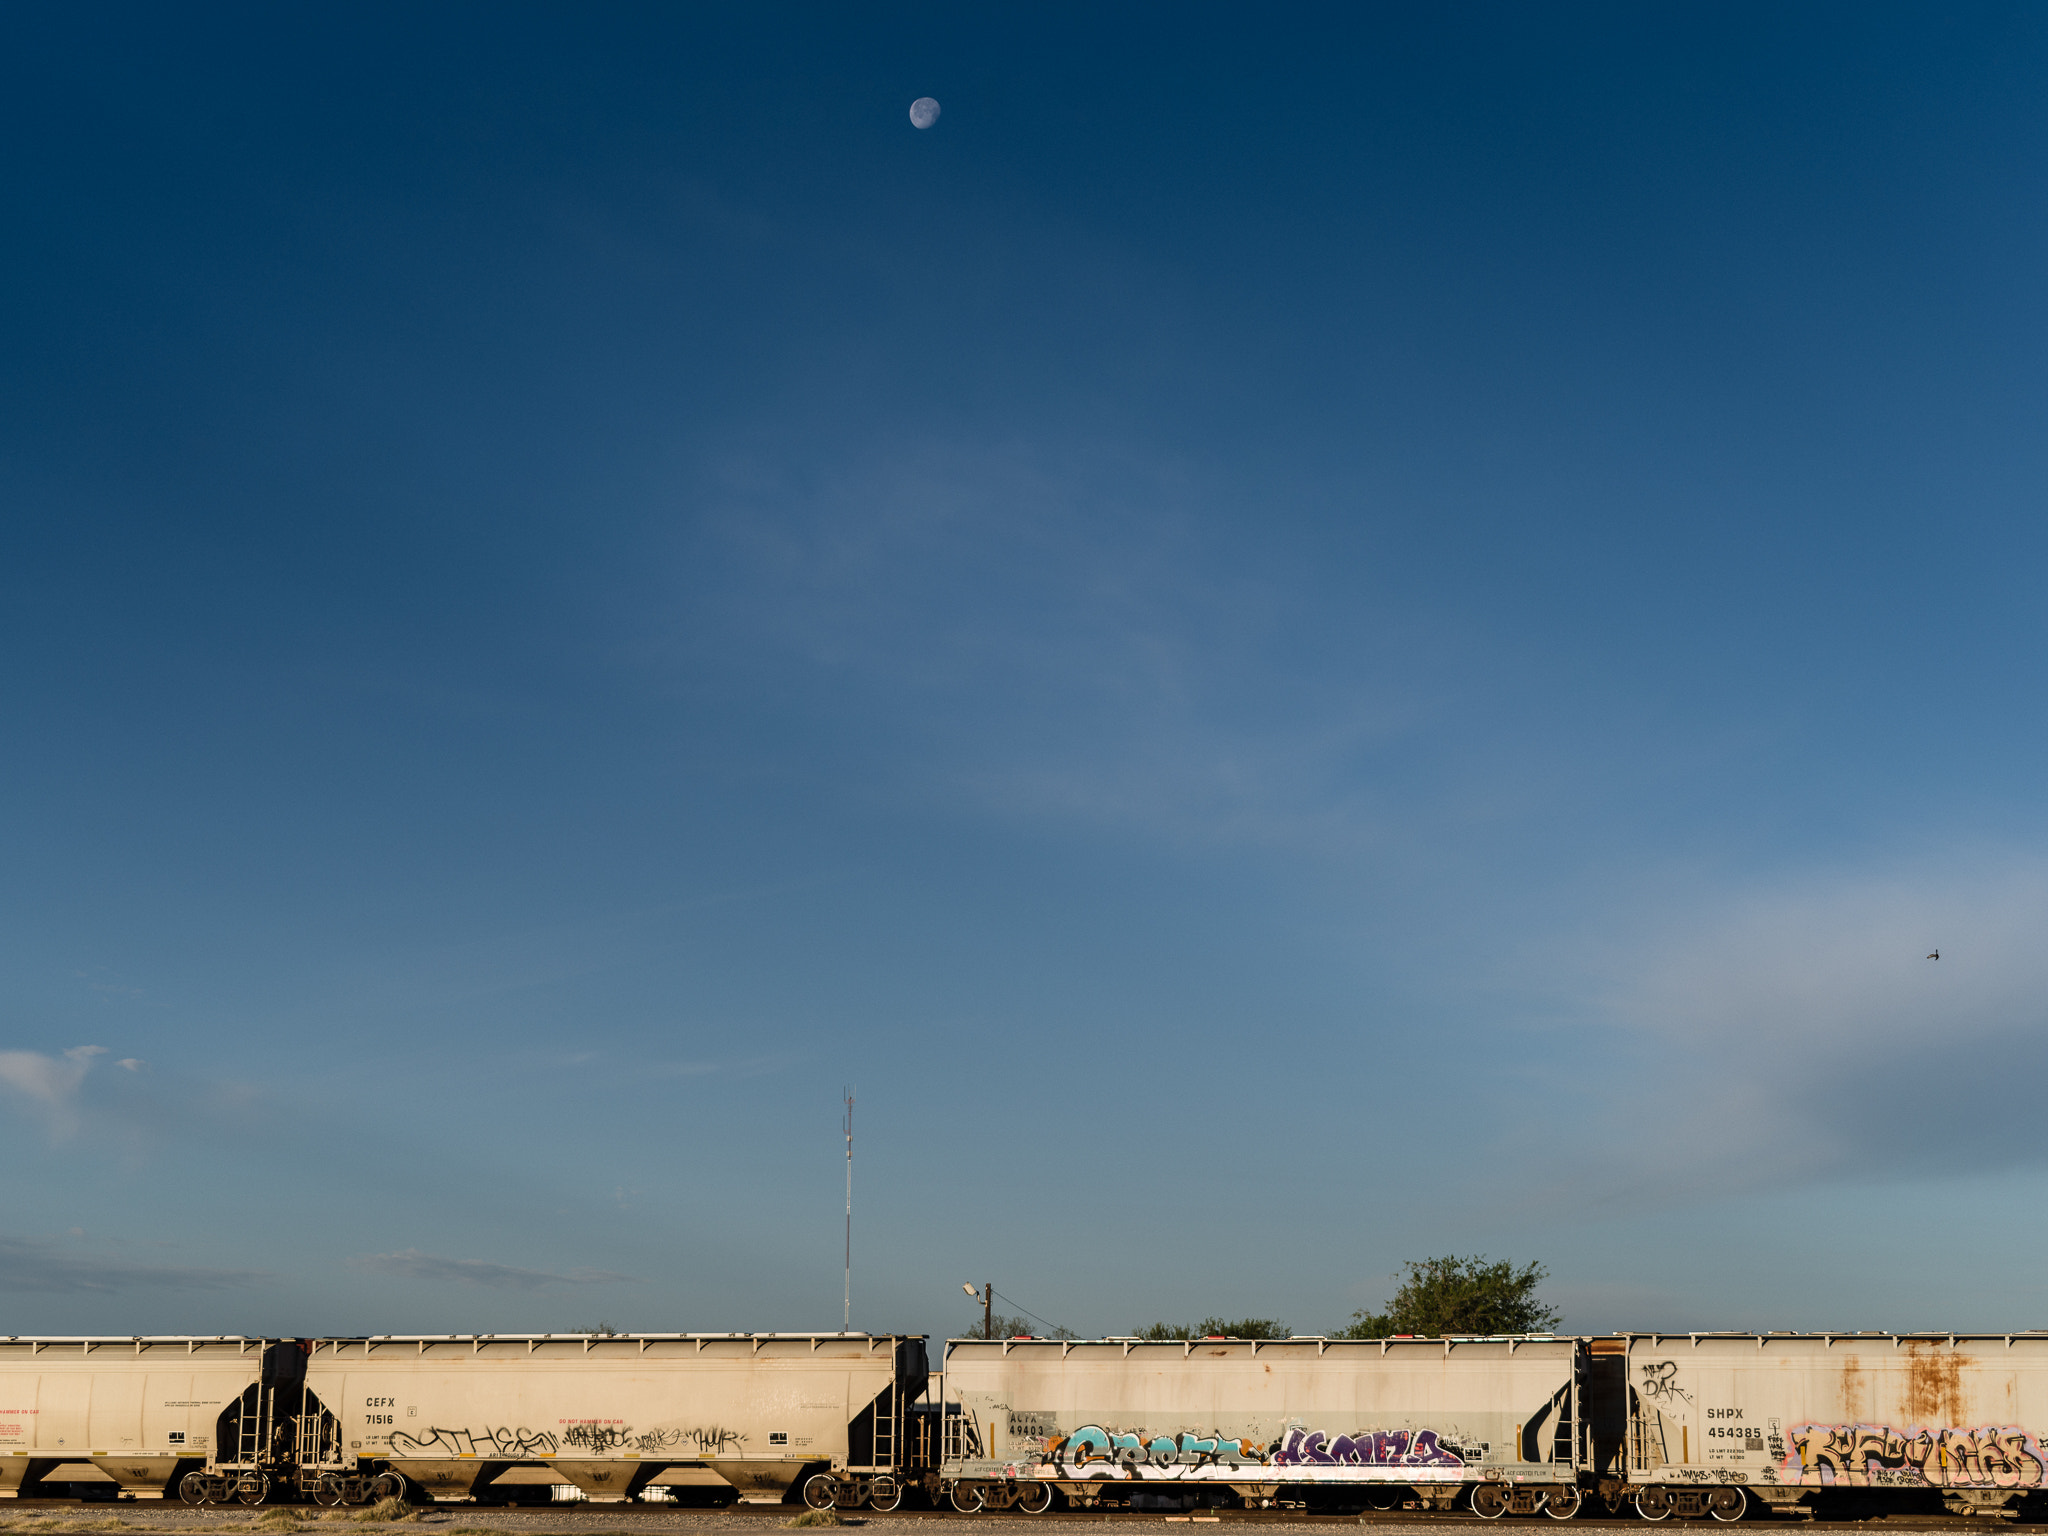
(1056, 1327)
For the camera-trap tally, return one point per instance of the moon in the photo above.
(923, 112)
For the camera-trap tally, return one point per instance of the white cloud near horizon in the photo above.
(411, 1264)
(30, 1266)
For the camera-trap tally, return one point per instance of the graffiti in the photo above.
(1876, 1456)
(516, 1443)
(591, 1438)
(1660, 1382)
(711, 1441)
(524, 1444)
(1366, 1448)
(1128, 1448)
(1132, 1450)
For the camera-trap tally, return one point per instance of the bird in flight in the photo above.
(1935, 956)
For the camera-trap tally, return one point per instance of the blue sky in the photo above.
(1299, 638)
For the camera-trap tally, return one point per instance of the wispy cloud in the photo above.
(52, 1079)
(1796, 1034)
(411, 1264)
(1083, 637)
(753, 1066)
(27, 1265)
(124, 1107)
(51, 1082)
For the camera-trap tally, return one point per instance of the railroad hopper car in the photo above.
(1422, 1423)
(617, 1414)
(1849, 1422)
(351, 1420)
(84, 1416)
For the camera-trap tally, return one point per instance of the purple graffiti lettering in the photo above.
(1365, 1448)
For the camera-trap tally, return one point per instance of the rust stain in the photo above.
(1934, 1384)
(1852, 1388)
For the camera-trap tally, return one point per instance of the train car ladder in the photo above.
(1648, 1449)
(316, 1439)
(885, 1430)
(960, 1440)
(252, 1437)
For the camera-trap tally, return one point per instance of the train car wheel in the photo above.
(1489, 1501)
(967, 1498)
(327, 1493)
(1726, 1503)
(1563, 1503)
(1034, 1497)
(387, 1485)
(821, 1491)
(253, 1488)
(884, 1495)
(192, 1488)
(1653, 1503)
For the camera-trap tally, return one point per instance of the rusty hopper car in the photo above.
(1420, 1422)
(80, 1416)
(615, 1414)
(1866, 1421)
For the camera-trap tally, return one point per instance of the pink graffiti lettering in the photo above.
(1876, 1455)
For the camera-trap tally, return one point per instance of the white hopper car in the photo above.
(1421, 1422)
(615, 1414)
(1860, 1423)
(349, 1420)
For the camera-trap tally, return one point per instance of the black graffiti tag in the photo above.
(528, 1444)
(596, 1437)
(1660, 1382)
(499, 1441)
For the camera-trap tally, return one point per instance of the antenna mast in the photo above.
(846, 1326)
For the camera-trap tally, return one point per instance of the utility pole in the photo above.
(987, 1297)
(846, 1325)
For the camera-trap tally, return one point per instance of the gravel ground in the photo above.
(743, 1520)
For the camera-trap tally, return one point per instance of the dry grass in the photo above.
(387, 1509)
(813, 1517)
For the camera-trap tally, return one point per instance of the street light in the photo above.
(987, 1297)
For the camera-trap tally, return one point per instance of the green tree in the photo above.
(999, 1327)
(1247, 1328)
(1159, 1333)
(1454, 1295)
(1214, 1327)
